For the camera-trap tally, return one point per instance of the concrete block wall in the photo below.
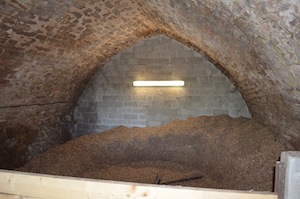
(110, 99)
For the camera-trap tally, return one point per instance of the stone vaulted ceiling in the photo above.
(49, 50)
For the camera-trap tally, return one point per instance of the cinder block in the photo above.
(154, 123)
(113, 92)
(130, 104)
(160, 48)
(116, 116)
(101, 104)
(212, 105)
(164, 39)
(199, 72)
(152, 42)
(205, 82)
(141, 110)
(110, 98)
(112, 109)
(195, 60)
(244, 112)
(124, 110)
(178, 61)
(127, 55)
(220, 112)
(185, 53)
(144, 48)
(109, 122)
(196, 105)
(168, 54)
(130, 116)
(143, 117)
(138, 98)
(169, 112)
(101, 127)
(119, 61)
(145, 61)
(224, 85)
(149, 98)
(101, 109)
(84, 104)
(116, 104)
(222, 91)
(145, 104)
(207, 112)
(114, 73)
(210, 99)
(102, 115)
(174, 45)
(139, 123)
(132, 61)
(124, 122)
(94, 119)
(161, 61)
(234, 113)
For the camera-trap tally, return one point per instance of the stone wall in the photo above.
(111, 100)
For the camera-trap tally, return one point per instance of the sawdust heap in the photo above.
(229, 154)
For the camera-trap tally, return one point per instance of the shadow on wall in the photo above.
(110, 99)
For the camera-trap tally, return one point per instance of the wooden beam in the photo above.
(29, 185)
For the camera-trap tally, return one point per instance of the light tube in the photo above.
(159, 83)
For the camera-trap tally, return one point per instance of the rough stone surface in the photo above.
(49, 50)
(110, 99)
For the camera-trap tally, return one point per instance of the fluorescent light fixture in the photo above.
(159, 83)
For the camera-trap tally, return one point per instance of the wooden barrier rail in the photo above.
(36, 186)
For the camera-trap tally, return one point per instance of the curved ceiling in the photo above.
(50, 49)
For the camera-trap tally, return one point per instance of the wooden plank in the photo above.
(47, 186)
(280, 179)
(9, 196)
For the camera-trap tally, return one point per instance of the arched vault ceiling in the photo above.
(50, 49)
